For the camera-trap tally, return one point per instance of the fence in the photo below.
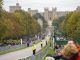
(63, 42)
(39, 55)
(60, 42)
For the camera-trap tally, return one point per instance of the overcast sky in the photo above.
(62, 5)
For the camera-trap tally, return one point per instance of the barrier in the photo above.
(39, 55)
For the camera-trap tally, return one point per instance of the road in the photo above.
(24, 52)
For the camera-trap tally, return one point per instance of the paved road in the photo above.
(23, 53)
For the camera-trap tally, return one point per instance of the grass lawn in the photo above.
(50, 51)
(11, 50)
(15, 49)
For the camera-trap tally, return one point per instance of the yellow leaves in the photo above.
(18, 24)
(71, 24)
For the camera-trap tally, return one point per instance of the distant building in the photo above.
(32, 12)
(51, 15)
(47, 14)
(13, 8)
(78, 8)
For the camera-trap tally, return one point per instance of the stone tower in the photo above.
(13, 8)
(46, 14)
(54, 15)
(78, 8)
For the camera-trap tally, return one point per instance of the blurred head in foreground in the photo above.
(69, 49)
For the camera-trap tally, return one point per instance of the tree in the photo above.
(28, 24)
(58, 21)
(39, 16)
(71, 25)
(1, 3)
(17, 24)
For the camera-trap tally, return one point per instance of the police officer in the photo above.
(34, 49)
(41, 44)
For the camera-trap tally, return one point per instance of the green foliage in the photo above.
(39, 16)
(49, 52)
(1, 3)
(17, 25)
(71, 25)
(57, 22)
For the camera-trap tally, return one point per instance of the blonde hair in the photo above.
(69, 49)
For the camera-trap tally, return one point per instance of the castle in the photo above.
(47, 14)
(78, 8)
(13, 8)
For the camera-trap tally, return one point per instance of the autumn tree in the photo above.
(17, 25)
(1, 2)
(71, 25)
(39, 16)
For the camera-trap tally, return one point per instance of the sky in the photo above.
(61, 5)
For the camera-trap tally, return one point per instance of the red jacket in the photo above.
(74, 57)
(78, 57)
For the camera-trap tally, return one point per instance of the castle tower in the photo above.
(54, 13)
(54, 9)
(17, 4)
(14, 8)
(78, 8)
(29, 10)
(46, 13)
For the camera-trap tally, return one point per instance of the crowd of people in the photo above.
(61, 38)
(70, 51)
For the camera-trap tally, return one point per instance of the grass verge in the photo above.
(14, 49)
(50, 51)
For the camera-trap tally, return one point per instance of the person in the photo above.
(69, 52)
(9, 45)
(46, 42)
(57, 56)
(34, 49)
(78, 57)
(56, 47)
(41, 44)
(28, 43)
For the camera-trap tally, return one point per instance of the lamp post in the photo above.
(21, 41)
